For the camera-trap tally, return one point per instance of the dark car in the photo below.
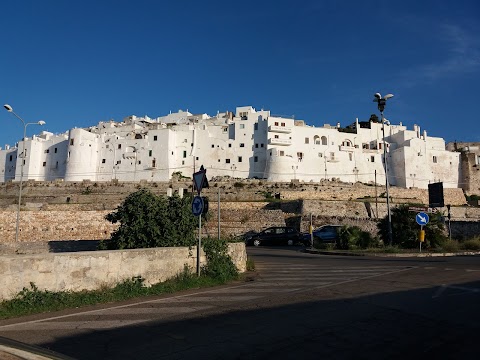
(324, 234)
(275, 235)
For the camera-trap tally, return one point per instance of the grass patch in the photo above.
(250, 265)
(33, 301)
(472, 244)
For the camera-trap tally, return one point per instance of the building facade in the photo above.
(244, 144)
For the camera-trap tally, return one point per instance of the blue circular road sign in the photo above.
(197, 205)
(422, 218)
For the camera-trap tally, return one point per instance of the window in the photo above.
(155, 137)
(119, 162)
(282, 124)
(300, 156)
(55, 150)
(350, 156)
(119, 146)
(139, 162)
(255, 126)
(372, 158)
(332, 156)
(185, 140)
(239, 159)
(256, 146)
(276, 137)
(435, 159)
(320, 155)
(150, 153)
(225, 129)
(282, 153)
(44, 163)
(47, 151)
(11, 157)
(71, 142)
(183, 162)
(276, 123)
(154, 162)
(227, 161)
(242, 145)
(242, 126)
(213, 145)
(56, 165)
(316, 140)
(307, 140)
(324, 140)
(261, 145)
(196, 158)
(104, 161)
(184, 154)
(255, 159)
(229, 145)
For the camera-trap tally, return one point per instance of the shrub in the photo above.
(238, 185)
(352, 237)
(450, 246)
(219, 263)
(147, 220)
(405, 229)
(472, 244)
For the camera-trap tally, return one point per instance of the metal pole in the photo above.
(218, 213)
(199, 246)
(376, 197)
(22, 159)
(311, 231)
(386, 182)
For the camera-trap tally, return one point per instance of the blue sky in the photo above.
(74, 63)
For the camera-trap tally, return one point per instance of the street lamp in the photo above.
(41, 122)
(382, 101)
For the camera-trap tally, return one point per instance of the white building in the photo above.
(247, 144)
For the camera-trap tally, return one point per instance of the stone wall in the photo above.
(94, 269)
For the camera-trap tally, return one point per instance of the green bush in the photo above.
(450, 246)
(472, 244)
(352, 237)
(405, 229)
(219, 263)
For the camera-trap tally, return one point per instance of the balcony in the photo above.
(280, 129)
(282, 142)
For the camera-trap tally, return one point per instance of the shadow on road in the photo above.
(425, 323)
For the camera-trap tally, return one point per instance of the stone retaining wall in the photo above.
(93, 269)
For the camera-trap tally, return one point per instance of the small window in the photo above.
(276, 137)
(320, 155)
(11, 157)
(350, 156)
(196, 158)
(255, 126)
(255, 159)
(104, 161)
(283, 124)
(183, 162)
(218, 160)
(213, 145)
(150, 152)
(239, 159)
(276, 123)
(256, 146)
(119, 162)
(300, 156)
(154, 162)
(55, 150)
(139, 162)
(155, 137)
(184, 154)
(71, 142)
(227, 161)
(225, 129)
(261, 145)
(44, 163)
(242, 145)
(119, 146)
(230, 145)
(185, 140)
(56, 165)
(47, 151)
(282, 153)
(434, 159)
(242, 126)
(372, 158)
(307, 140)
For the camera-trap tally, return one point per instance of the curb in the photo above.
(398, 255)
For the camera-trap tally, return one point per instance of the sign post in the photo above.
(199, 181)
(422, 220)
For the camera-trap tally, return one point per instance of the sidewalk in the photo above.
(401, 255)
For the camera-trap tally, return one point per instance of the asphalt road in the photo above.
(296, 306)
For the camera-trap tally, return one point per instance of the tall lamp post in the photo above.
(22, 160)
(382, 101)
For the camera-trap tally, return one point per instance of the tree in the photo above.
(405, 229)
(147, 220)
(374, 118)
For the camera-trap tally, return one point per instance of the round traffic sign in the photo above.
(197, 205)
(422, 218)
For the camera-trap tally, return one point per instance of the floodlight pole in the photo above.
(22, 160)
(387, 185)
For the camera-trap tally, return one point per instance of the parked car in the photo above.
(275, 235)
(324, 234)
